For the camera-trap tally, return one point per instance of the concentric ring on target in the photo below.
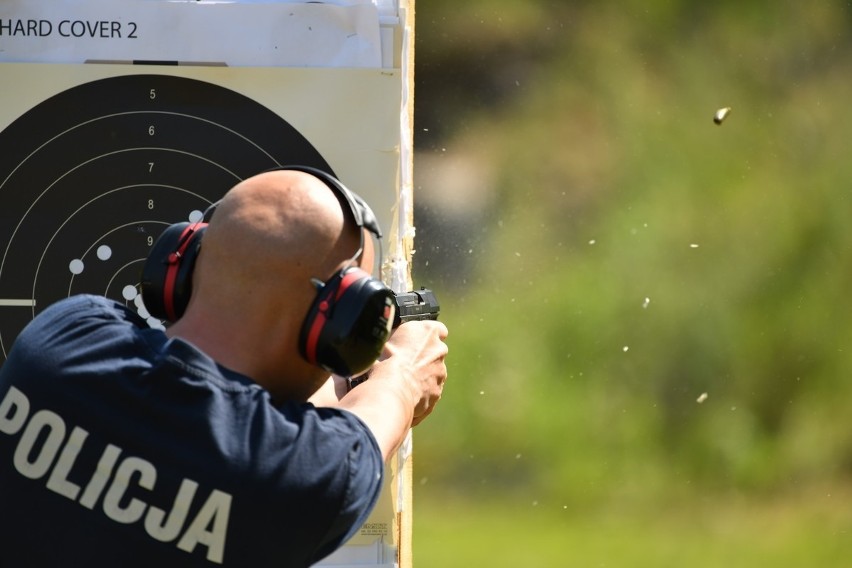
(91, 176)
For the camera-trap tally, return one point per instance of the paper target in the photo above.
(90, 177)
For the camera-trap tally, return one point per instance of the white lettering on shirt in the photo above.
(42, 439)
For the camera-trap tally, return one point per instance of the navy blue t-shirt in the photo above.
(121, 447)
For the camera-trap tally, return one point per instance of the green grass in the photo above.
(812, 528)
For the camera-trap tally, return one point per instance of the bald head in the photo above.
(279, 220)
(270, 235)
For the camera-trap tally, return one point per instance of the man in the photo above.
(215, 442)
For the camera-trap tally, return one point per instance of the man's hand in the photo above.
(404, 385)
(418, 349)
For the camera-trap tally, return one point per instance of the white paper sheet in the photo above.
(291, 34)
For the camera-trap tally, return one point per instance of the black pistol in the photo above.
(415, 306)
(410, 306)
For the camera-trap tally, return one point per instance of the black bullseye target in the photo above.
(90, 177)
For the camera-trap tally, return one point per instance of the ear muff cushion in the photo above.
(166, 282)
(348, 324)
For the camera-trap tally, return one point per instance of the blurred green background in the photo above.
(650, 351)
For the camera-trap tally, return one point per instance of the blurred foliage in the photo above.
(643, 305)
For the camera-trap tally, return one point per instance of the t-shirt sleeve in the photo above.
(364, 469)
(337, 463)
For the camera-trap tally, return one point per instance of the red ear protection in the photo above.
(167, 275)
(348, 323)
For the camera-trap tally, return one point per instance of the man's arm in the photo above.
(330, 393)
(404, 385)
